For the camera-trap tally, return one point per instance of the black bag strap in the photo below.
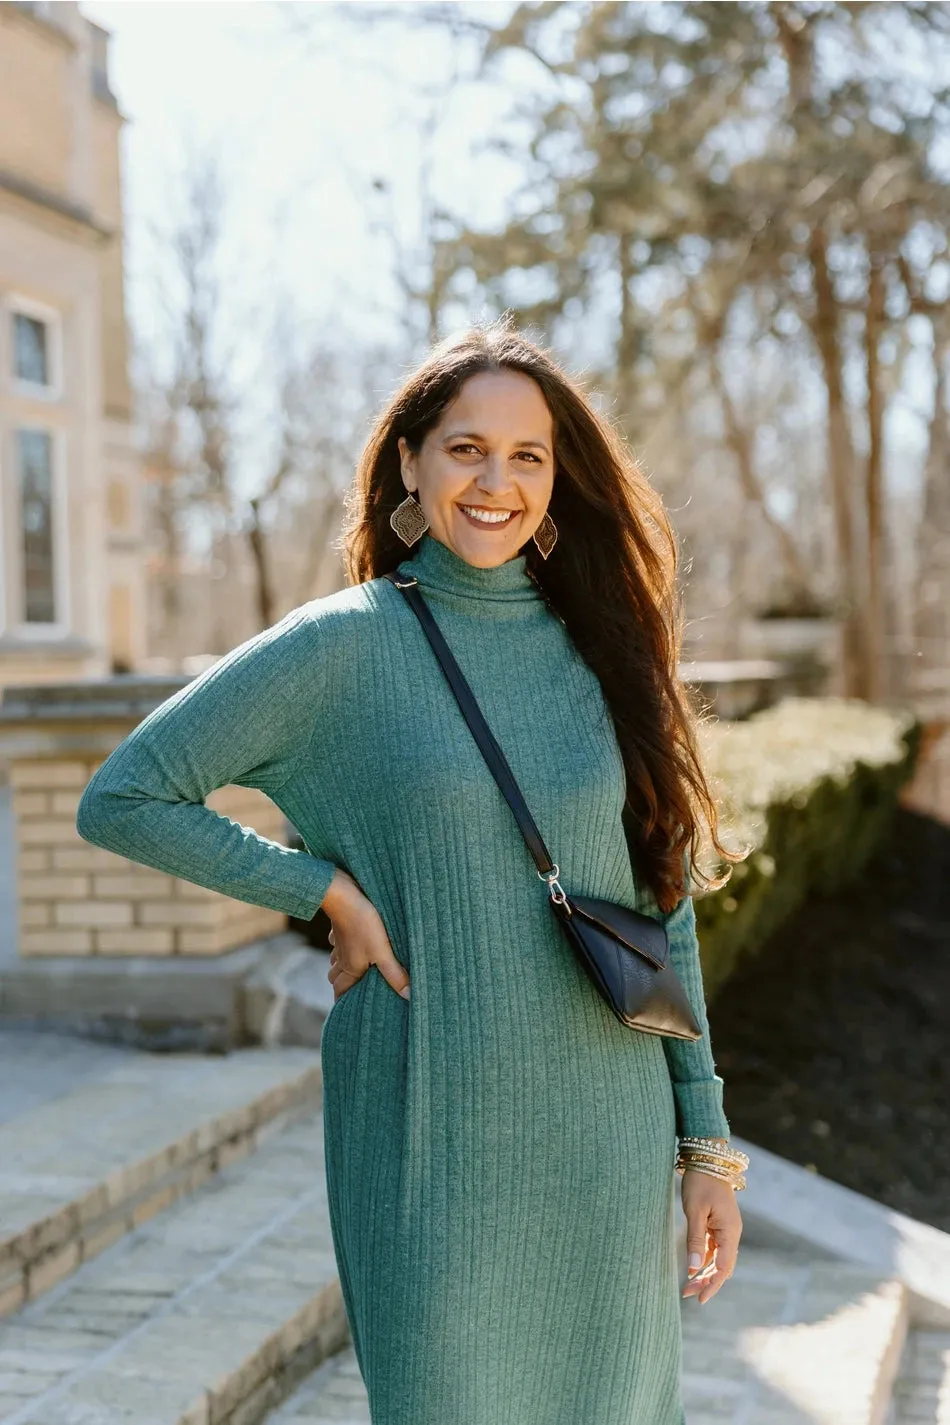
(490, 750)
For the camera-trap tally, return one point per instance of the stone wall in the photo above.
(77, 899)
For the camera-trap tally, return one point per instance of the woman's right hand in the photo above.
(358, 937)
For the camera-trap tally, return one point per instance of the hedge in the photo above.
(810, 785)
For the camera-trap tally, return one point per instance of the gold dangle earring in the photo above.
(545, 536)
(408, 520)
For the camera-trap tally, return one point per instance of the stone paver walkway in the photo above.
(37, 1067)
(789, 1341)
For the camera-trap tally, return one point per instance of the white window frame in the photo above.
(16, 625)
(18, 305)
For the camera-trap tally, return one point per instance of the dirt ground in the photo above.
(834, 1041)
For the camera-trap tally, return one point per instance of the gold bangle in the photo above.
(710, 1158)
(736, 1182)
(725, 1169)
(710, 1162)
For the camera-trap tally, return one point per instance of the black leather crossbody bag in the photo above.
(624, 953)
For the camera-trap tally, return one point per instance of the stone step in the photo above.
(922, 1387)
(788, 1341)
(333, 1393)
(208, 1314)
(786, 1204)
(90, 1157)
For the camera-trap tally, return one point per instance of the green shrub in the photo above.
(811, 785)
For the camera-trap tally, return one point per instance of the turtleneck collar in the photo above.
(438, 567)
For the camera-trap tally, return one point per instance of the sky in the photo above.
(306, 105)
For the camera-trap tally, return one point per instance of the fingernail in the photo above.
(405, 992)
(695, 1261)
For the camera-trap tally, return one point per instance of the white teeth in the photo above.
(487, 516)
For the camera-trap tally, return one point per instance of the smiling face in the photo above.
(490, 455)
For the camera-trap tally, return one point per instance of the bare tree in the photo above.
(932, 611)
(706, 163)
(209, 414)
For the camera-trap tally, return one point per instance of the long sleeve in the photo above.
(247, 720)
(696, 1085)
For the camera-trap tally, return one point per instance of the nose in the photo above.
(493, 475)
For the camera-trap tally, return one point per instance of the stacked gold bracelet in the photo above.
(708, 1155)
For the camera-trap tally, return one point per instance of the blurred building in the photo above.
(71, 576)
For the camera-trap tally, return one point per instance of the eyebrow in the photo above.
(473, 435)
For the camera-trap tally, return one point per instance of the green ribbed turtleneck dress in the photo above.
(499, 1147)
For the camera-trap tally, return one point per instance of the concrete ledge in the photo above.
(207, 1004)
(122, 696)
(288, 996)
(785, 1205)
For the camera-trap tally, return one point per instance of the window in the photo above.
(30, 350)
(36, 349)
(35, 454)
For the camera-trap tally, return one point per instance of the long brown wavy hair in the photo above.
(611, 578)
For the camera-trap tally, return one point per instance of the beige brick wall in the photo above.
(77, 899)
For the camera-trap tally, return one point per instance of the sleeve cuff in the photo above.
(699, 1109)
(312, 877)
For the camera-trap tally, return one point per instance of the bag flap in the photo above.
(637, 931)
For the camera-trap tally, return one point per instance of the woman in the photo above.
(498, 1145)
